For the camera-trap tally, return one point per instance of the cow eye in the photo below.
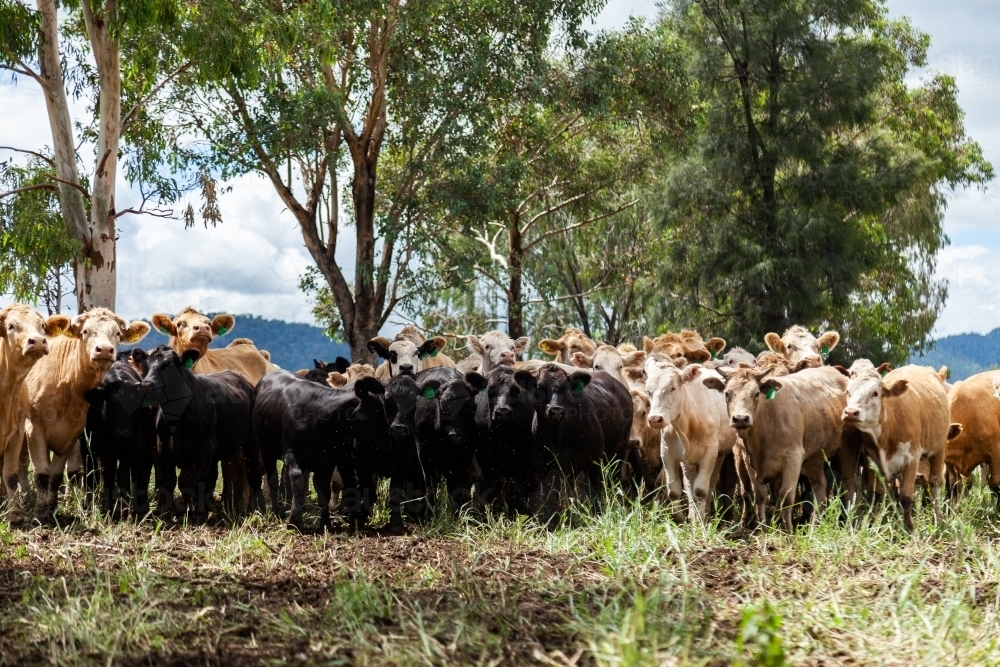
(874, 394)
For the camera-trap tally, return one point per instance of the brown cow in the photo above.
(569, 343)
(611, 360)
(788, 426)
(798, 345)
(409, 353)
(191, 330)
(906, 419)
(76, 362)
(22, 343)
(975, 404)
(694, 426)
(687, 344)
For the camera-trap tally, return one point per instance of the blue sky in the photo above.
(252, 262)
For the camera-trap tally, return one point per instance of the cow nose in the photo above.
(406, 369)
(104, 351)
(741, 421)
(38, 344)
(634, 443)
(852, 413)
(555, 413)
(502, 413)
(815, 361)
(399, 430)
(506, 357)
(455, 437)
(656, 421)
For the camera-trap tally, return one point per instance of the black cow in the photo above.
(312, 428)
(201, 420)
(321, 370)
(122, 435)
(505, 450)
(444, 422)
(582, 420)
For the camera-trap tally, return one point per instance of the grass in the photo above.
(624, 585)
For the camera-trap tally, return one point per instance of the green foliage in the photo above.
(324, 309)
(817, 190)
(760, 634)
(36, 253)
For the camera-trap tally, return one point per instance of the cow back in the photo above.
(973, 404)
(918, 415)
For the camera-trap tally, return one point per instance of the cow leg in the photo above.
(991, 473)
(907, 484)
(789, 481)
(321, 482)
(747, 484)
(56, 473)
(39, 451)
(297, 479)
(271, 472)
(700, 484)
(936, 477)
(336, 489)
(74, 462)
(675, 480)
(815, 472)
(848, 458)
(108, 478)
(142, 467)
(11, 464)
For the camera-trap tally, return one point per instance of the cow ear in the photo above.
(895, 387)
(726, 372)
(647, 344)
(713, 382)
(476, 382)
(302, 373)
(699, 356)
(189, 358)
(828, 341)
(770, 386)
(336, 380)
(319, 364)
(76, 326)
(223, 324)
(55, 325)
(136, 331)
(842, 370)
(522, 344)
(475, 345)
(578, 382)
(549, 346)
(526, 380)
(379, 346)
(679, 362)
(944, 373)
(954, 430)
(775, 344)
(341, 364)
(634, 358)
(716, 346)
(368, 385)
(884, 368)
(429, 348)
(690, 373)
(582, 360)
(163, 324)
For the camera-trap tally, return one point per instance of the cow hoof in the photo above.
(296, 525)
(15, 517)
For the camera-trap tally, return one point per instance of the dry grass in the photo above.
(623, 585)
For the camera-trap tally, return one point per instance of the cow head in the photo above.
(136, 358)
(798, 346)
(497, 349)
(571, 342)
(737, 356)
(866, 389)
(446, 406)
(118, 399)
(339, 380)
(25, 331)
(406, 354)
(400, 403)
(687, 344)
(611, 360)
(665, 380)
(640, 412)
(502, 395)
(100, 331)
(557, 393)
(191, 330)
(745, 390)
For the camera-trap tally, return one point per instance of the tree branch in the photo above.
(553, 209)
(599, 288)
(156, 213)
(39, 186)
(130, 116)
(553, 232)
(36, 154)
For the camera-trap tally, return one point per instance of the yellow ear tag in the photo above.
(58, 332)
(134, 337)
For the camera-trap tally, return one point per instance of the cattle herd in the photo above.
(680, 421)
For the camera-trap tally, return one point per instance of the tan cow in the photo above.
(409, 353)
(76, 363)
(565, 346)
(694, 425)
(905, 417)
(611, 360)
(975, 404)
(339, 380)
(733, 358)
(191, 330)
(644, 443)
(788, 426)
(494, 349)
(22, 343)
(687, 344)
(798, 345)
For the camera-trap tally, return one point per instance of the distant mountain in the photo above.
(964, 354)
(292, 345)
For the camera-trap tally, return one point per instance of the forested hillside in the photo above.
(964, 354)
(292, 345)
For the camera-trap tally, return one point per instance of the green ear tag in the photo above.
(771, 391)
(711, 354)
(435, 352)
(577, 386)
(429, 392)
(884, 373)
(189, 363)
(163, 330)
(223, 331)
(824, 352)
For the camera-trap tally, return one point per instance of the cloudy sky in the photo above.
(252, 262)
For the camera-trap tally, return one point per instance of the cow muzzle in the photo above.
(103, 355)
(740, 420)
(851, 414)
(36, 347)
(656, 421)
(399, 431)
(555, 413)
(405, 369)
(502, 413)
(814, 361)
